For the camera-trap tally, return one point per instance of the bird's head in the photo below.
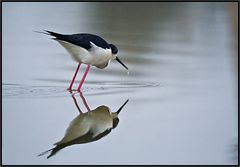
(114, 55)
(115, 114)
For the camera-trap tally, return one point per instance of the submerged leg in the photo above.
(84, 101)
(75, 101)
(70, 86)
(83, 78)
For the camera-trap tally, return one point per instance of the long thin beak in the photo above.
(118, 111)
(121, 63)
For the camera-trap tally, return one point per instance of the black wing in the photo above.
(82, 40)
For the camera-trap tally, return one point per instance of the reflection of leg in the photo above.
(75, 101)
(84, 102)
(70, 86)
(83, 78)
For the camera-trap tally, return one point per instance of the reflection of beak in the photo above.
(121, 62)
(118, 111)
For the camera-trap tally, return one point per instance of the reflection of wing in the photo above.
(94, 122)
(78, 127)
(88, 137)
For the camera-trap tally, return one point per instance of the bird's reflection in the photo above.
(87, 126)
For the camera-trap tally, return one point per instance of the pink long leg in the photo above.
(83, 78)
(84, 102)
(70, 86)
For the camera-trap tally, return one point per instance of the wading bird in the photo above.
(88, 49)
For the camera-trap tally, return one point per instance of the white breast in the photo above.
(99, 56)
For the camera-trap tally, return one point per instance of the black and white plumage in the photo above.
(87, 48)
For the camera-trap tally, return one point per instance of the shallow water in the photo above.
(182, 86)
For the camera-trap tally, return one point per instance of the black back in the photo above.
(82, 40)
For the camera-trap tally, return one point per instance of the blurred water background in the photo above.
(182, 86)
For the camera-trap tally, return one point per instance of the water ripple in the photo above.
(10, 90)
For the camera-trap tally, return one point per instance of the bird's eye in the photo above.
(115, 122)
(115, 51)
(113, 48)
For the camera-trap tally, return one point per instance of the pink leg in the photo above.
(75, 101)
(83, 78)
(70, 86)
(84, 102)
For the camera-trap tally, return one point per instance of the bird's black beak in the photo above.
(118, 111)
(121, 62)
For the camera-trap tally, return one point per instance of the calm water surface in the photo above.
(182, 86)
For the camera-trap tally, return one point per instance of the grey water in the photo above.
(182, 86)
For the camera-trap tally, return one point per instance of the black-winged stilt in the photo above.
(87, 49)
